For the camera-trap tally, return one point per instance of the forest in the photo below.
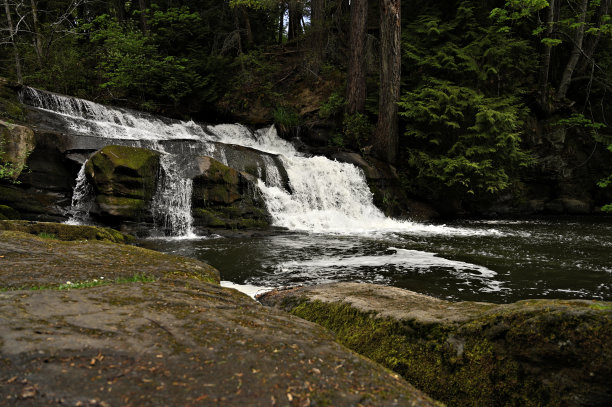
(461, 96)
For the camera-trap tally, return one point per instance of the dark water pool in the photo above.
(483, 260)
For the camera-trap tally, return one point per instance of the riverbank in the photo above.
(95, 323)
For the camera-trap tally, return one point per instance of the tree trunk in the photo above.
(386, 136)
(295, 20)
(12, 33)
(144, 24)
(281, 23)
(576, 51)
(317, 33)
(240, 52)
(37, 34)
(120, 10)
(247, 25)
(545, 70)
(356, 86)
(591, 47)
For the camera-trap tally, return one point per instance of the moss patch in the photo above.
(64, 232)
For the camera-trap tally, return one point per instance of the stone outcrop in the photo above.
(533, 352)
(16, 144)
(143, 328)
(124, 180)
(226, 198)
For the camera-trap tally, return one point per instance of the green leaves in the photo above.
(473, 142)
(150, 68)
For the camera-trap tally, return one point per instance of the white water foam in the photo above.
(248, 289)
(330, 268)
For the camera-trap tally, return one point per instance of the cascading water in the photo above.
(323, 195)
(172, 200)
(82, 200)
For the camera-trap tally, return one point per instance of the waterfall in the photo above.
(320, 195)
(171, 205)
(82, 200)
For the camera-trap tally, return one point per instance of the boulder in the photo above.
(533, 352)
(226, 198)
(16, 144)
(124, 180)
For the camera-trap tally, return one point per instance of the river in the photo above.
(496, 261)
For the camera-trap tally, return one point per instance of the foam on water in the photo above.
(248, 289)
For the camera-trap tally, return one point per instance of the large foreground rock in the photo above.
(534, 352)
(174, 341)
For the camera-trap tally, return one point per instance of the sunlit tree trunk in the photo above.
(356, 80)
(281, 22)
(11, 28)
(386, 137)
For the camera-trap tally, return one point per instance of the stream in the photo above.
(496, 261)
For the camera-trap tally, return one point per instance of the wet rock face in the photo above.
(176, 339)
(534, 352)
(226, 198)
(124, 180)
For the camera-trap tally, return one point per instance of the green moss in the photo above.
(220, 172)
(65, 232)
(10, 107)
(124, 171)
(209, 218)
(121, 206)
(230, 218)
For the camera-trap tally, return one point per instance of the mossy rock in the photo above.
(16, 144)
(530, 353)
(121, 207)
(6, 212)
(65, 232)
(219, 218)
(27, 202)
(10, 106)
(123, 171)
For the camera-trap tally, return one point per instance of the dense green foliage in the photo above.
(474, 73)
